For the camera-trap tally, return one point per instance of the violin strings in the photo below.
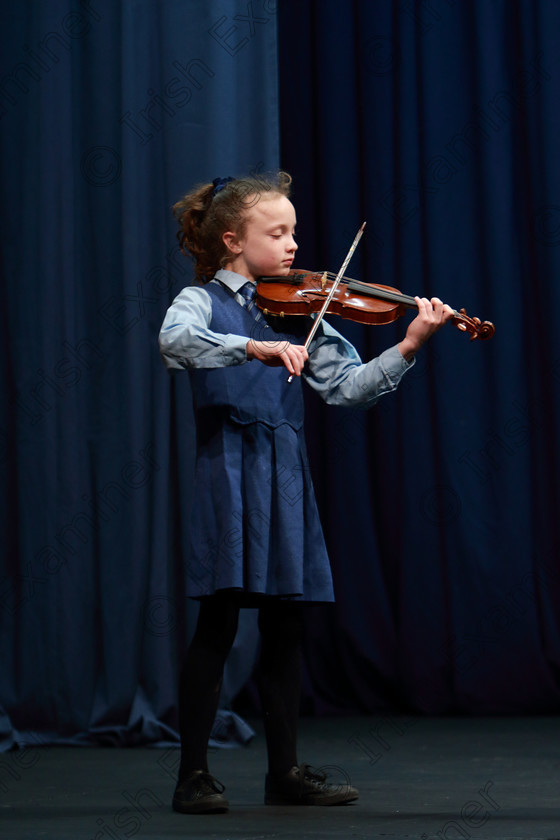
(384, 294)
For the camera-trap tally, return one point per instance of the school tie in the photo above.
(248, 292)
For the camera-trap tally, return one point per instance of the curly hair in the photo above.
(208, 211)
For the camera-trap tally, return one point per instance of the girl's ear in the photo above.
(231, 242)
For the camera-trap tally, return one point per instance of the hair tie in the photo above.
(219, 184)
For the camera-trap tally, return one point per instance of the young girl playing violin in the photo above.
(256, 539)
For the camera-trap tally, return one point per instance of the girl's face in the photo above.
(267, 247)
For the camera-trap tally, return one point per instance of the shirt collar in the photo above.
(231, 279)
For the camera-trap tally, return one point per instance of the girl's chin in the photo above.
(281, 270)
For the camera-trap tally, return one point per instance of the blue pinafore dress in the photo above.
(255, 525)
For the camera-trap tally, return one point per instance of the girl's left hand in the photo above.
(432, 315)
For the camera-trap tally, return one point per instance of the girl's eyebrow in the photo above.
(281, 227)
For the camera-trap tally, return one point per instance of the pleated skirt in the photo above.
(255, 526)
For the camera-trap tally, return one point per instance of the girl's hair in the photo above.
(210, 210)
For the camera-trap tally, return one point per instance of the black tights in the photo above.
(278, 679)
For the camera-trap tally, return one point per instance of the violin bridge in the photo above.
(323, 281)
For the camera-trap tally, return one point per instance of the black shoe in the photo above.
(199, 793)
(304, 786)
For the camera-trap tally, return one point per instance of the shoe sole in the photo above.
(333, 800)
(202, 807)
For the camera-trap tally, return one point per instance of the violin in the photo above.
(303, 292)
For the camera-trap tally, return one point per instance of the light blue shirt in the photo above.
(334, 368)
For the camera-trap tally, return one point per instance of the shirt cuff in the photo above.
(394, 364)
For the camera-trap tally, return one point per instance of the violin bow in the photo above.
(330, 295)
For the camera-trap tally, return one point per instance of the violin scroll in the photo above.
(474, 326)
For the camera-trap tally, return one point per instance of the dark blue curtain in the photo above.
(438, 124)
(109, 113)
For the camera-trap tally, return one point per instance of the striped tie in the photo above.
(248, 292)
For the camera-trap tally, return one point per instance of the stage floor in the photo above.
(424, 778)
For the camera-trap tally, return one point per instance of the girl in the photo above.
(256, 539)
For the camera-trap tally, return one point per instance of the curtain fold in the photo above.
(110, 112)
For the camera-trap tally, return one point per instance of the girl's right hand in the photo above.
(278, 353)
